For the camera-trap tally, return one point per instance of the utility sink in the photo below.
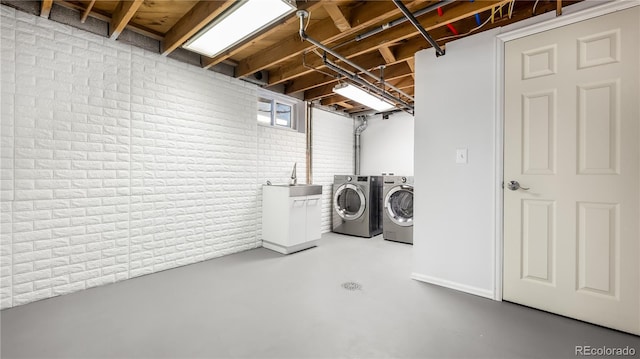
(297, 190)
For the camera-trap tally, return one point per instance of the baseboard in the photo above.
(453, 285)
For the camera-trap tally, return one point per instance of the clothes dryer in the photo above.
(357, 205)
(398, 209)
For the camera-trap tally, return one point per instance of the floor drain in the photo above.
(352, 286)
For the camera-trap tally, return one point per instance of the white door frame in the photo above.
(579, 12)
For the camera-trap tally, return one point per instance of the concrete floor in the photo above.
(260, 304)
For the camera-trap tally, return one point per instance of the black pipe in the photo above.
(414, 21)
(402, 20)
(302, 14)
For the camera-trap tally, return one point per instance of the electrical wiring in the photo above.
(308, 20)
(495, 10)
(534, 7)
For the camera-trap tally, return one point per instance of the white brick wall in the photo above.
(7, 90)
(332, 154)
(117, 162)
(278, 150)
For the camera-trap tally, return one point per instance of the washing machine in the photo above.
(357, 205)
(398, 209)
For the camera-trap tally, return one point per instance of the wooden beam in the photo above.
(334, 100)
(121, 16)
(314, 78)
(411, 62)
(558, 7)
(370, 13)
(193, 21)
(430, 21)
(387, 54)
(87, 11)
(107, 18)
(340, 19)
(345, 104)
(45, 8)
(412, 65)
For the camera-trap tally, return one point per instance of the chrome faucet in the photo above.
(294, 177)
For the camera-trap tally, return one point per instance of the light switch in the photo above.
(461, 155)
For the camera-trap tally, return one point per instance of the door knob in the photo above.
(514, 186)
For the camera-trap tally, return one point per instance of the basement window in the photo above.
(279, 111)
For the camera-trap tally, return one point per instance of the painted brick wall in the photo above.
(117, 162)
(7, 91)
(332, 154)
(278, 150)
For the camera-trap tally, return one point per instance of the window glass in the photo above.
(264, 110)
(277, 110)
(283, 115)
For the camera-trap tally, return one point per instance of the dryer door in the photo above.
(398, 204)
(349, 202)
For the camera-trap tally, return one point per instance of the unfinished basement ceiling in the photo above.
(278, 56)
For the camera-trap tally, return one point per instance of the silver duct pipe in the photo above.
(356, 153)
(302, 14)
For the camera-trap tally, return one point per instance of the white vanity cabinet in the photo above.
(290, 217)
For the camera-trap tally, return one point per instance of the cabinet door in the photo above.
(313, 217)
(297, 221)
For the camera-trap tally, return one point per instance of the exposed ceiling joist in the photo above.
(391, 73)
(193, 21)
(383, 38)
(306, 81)
(387, 54)
(401, 32)
(340, 17)
(87, 11)
(346, 105)
(412, 65)
(323, 31)
(45, 8)
(121, 17)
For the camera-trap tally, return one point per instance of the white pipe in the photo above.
(356, 153)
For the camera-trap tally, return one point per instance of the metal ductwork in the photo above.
(356, 153)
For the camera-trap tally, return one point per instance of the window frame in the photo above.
(277, 99)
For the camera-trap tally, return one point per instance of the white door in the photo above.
(571, 241)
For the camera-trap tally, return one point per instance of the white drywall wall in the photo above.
(387, 145)
(454, 203)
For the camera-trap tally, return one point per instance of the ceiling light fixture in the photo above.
(242, 20)
(363, 97)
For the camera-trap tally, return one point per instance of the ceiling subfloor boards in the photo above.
(369, 35)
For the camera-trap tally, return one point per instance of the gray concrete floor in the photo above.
(260, 304)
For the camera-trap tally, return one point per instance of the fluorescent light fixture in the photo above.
(363, 97)
(239, 22)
